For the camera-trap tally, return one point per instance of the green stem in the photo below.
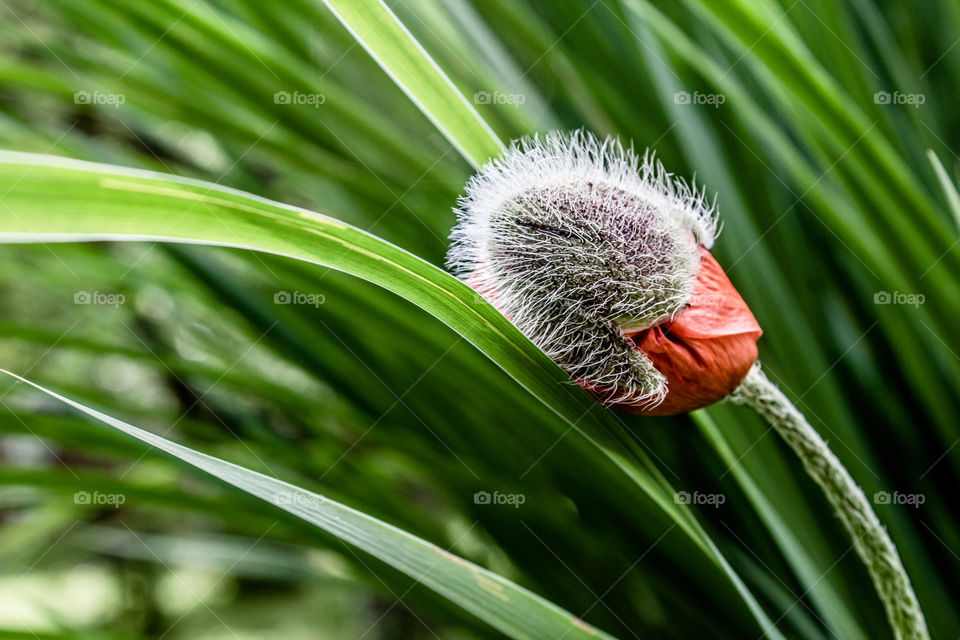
(872, 542)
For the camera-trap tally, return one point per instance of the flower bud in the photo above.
(602, 260)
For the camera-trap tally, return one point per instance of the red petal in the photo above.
(706, 351)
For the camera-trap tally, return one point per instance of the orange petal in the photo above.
(706, 351)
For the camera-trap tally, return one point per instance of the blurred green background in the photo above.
(811, 120)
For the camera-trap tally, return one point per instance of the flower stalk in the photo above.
(870, 537)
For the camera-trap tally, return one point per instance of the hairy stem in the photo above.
(870, 538)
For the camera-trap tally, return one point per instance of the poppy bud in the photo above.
(601, 259)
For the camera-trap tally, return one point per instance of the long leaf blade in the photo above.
(399, 54)
(503, 604)
(146, 206)
(174, 209)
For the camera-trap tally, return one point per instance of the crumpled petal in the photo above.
(706, 350)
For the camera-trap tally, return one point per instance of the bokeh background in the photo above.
(811, 119)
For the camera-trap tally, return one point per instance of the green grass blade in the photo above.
(103, 202)
(510, 608)
(821, 592)
(393, 47)
(949, 189)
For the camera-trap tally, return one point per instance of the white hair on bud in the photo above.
(577, 240)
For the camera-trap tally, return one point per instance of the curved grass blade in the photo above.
(52, 199)
(949, 189)
(509, 607)
(822, 593)
(395, 49)
(103, 202)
